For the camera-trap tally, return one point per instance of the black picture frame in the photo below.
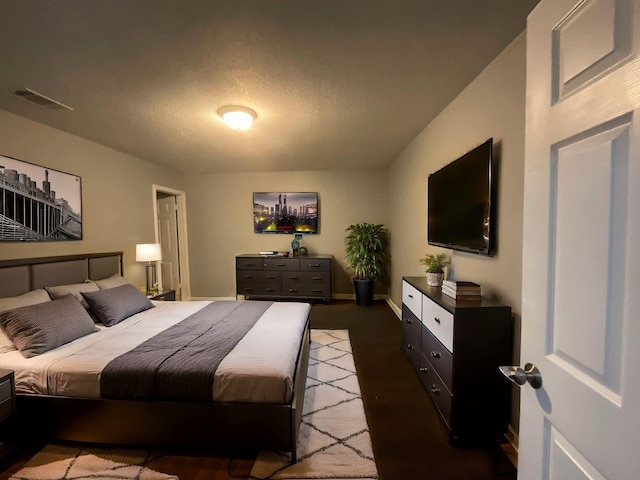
(38, 204)
(285, 212)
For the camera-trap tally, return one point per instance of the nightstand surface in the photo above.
(164, 296)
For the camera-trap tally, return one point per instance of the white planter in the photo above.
(434, 279)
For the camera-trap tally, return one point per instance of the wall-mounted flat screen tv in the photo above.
(461, 200)
(285, 212)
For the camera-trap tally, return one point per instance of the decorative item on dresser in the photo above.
(456, 349)
(284, 277)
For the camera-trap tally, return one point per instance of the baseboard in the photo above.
(396, 309)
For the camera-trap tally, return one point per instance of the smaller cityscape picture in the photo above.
(38, 204)
(290, 212)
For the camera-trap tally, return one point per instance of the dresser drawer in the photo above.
(304, 290)
(412, 298)
(6, 409)
(315, 264)
(438, 321)
(249, 263)
(259, 276)
(411, 336)
(440, 358)
(306, 277)
(281, 264)
(5, 390)
(268, 289)
(436, 389)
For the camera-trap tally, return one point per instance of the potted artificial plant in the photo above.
(367, 256)
(435, 264)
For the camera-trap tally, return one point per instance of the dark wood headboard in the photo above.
(23, 275)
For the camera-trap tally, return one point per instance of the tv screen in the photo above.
(285, 212)
(460, 203)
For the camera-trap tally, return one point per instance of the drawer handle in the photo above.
(249, 264)
(437, 320)
(294, 278)
(248, 289)
(314, 265)
(436, 354)
(247, 276)
(409, 346)
(270, 277)
(408, 320)
(316, 278)
(435, 390)
(410, 296)
(293, 290)
(316, 290)
(424, 369)
(281, 264)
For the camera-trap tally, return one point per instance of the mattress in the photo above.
(259, 369)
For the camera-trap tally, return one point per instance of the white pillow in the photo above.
(111, 282)
(73, 289)
(9, 303)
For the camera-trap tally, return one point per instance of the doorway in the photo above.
(170, 224)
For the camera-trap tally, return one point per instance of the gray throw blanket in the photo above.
(180, 362)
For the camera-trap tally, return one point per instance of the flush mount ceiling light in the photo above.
(236, 117)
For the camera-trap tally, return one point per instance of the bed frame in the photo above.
(145, 423)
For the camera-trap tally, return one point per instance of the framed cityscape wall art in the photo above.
(38, 204)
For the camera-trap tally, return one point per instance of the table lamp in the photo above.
(150, 253)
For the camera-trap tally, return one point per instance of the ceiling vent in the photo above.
(40, 99)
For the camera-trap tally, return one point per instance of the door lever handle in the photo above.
(520, 376)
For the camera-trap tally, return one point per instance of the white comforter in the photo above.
(259, 369)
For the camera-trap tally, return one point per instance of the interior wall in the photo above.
(117, 210)
(220, 211)
(493, 105)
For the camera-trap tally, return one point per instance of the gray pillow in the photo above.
(73, 289)
(36, 329)
(111, 282)
(9, 303)
(113, 305)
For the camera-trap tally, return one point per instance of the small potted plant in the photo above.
(435, 263)
(367, 256)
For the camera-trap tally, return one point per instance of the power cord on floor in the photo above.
(232, 475)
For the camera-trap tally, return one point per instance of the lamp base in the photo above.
(151, 278)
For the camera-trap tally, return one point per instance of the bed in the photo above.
(61, 391)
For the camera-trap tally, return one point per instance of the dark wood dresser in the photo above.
(305, 277)
(456, 349)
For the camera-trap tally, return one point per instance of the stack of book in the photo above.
(461, 290)
(274, 253)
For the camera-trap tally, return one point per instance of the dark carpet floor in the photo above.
(409, 439)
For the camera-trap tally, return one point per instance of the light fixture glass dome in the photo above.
(237, 117)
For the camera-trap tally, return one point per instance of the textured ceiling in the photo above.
(335, 83)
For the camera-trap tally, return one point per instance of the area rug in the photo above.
(64, 462)
(334, 441)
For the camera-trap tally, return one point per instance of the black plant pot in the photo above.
(364, 291)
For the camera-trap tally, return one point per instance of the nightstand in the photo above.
(164, 296)
(7, 412)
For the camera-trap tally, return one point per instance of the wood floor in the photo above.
(409, 439)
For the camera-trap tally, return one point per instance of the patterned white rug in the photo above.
(62, 462)
(334, 440)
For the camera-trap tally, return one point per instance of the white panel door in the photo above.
(581, 258)
(168, 230)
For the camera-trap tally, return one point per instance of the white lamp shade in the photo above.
(148, 252)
